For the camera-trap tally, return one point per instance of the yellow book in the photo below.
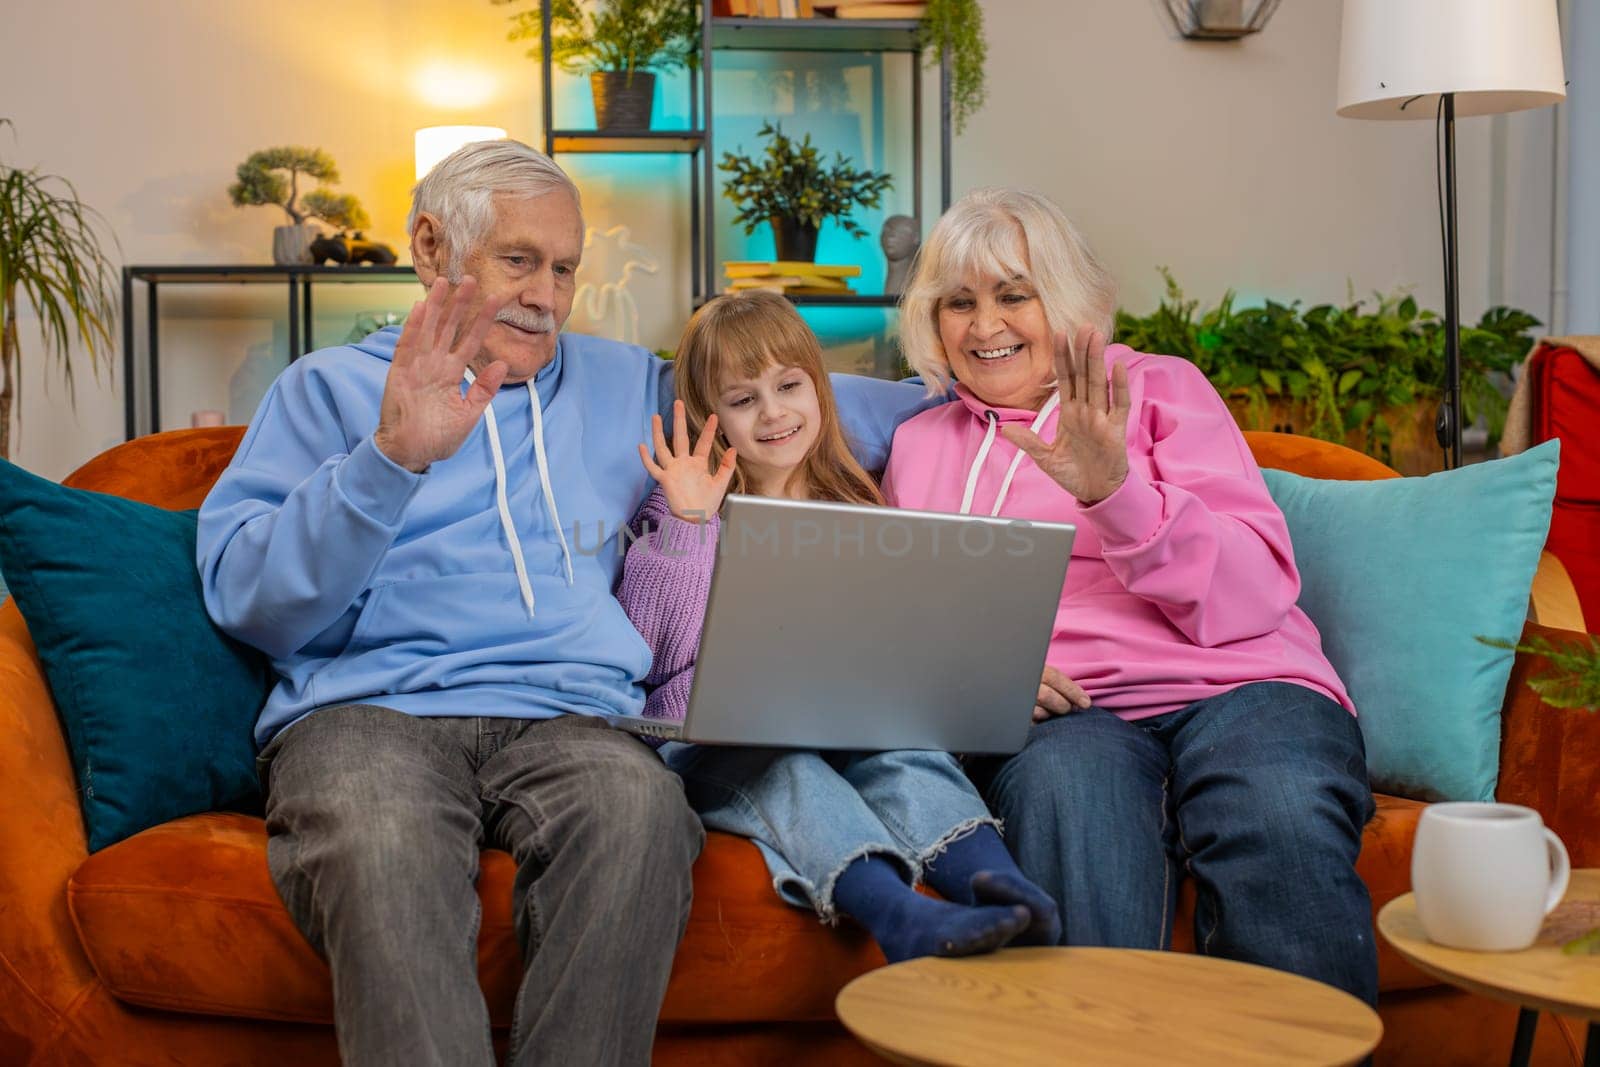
(764, 281)
(812, 290)
(817, 281)
(882, 11)
(753, 269)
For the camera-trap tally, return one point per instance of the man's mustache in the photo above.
(523, 319)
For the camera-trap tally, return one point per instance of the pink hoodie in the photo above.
(1182, 583)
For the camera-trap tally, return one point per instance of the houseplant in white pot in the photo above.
(620, 44)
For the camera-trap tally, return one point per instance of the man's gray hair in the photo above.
(459, 191)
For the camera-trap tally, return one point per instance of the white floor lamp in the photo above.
(1437, 59)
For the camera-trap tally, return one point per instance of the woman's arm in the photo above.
(1201, 538)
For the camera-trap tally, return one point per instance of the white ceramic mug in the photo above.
(1486, 875)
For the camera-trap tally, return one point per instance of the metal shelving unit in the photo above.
(759, 35)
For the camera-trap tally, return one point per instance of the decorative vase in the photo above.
(291, 245)
(796, 240)
(622, 101)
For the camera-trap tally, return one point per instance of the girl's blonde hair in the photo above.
(1001, 234)
(737, 336)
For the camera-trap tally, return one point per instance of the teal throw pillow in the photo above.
(1401, 576)
(157, 704)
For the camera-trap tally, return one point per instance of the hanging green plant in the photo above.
(954, 28)
(51, 255)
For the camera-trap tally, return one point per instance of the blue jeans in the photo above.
(812, 813)
(1260, 794)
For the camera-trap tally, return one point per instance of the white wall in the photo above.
(1223, 161)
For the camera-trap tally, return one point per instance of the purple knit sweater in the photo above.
(665, 581)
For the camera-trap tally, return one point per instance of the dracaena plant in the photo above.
(53, 256)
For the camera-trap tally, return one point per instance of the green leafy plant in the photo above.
(1572, 679)
(954, 29)
(624, 36)
(272, 176)
(1340, 372)
(51, 254)
(791, 181)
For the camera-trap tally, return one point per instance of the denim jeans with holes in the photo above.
(812, 813)
(1259, 794)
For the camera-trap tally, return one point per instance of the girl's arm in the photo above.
(666, 578)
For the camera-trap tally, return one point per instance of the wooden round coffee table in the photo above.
(1104, 1006)
(1539, 978)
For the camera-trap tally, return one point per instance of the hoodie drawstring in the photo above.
(1016, 461)
(504, 507)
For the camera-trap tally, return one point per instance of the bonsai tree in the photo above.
(51, 254)
(954, 29)
(272, 176)
(792, 188)
(618, 36)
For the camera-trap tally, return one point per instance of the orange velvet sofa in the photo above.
(172, 948)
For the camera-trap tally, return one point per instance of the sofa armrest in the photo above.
(42, 966)
(1550, 757)
(1553, 600)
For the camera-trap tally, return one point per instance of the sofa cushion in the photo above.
(1401, 576)
(184, 917)
(156, 703)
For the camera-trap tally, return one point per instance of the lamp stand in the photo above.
(1447, 428)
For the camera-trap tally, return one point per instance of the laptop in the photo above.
(843, 626)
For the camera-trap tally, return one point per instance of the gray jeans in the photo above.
(375, 821)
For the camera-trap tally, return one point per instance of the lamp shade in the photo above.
(1495, 55)
(436, 142)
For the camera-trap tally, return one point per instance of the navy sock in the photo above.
(906, 924)
(977, 869)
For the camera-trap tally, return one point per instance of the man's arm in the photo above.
(295, 528)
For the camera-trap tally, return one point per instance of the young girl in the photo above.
(848, 833)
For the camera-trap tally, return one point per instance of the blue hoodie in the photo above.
(365, 582)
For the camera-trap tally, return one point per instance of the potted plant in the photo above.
(272, 176)
(1366, 374)
(51, 254)
(792, 189)
(620, 44)
(953, 29)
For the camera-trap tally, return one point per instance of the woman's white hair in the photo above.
(460, 190)
(996, 235)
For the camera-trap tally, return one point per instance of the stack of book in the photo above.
(771, 9)
(873, 9)
(791, 277)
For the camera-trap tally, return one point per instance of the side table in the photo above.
(299, 279)
(1539, 978)
(1104, 1006)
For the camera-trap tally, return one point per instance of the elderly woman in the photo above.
(1188, 724)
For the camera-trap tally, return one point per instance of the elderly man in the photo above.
(397, 531)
